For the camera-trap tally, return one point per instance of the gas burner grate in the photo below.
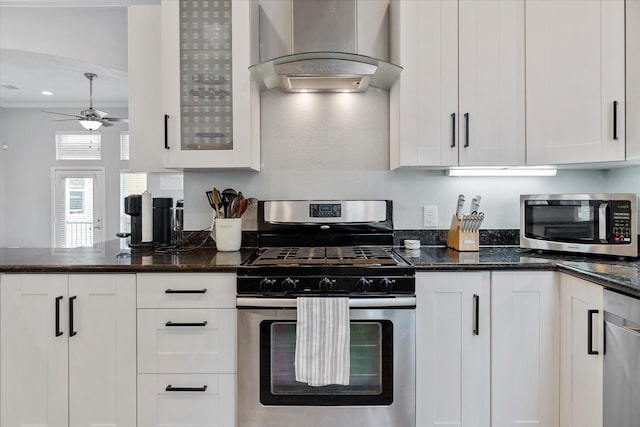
(348, 255)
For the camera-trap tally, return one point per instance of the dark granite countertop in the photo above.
(620, 275)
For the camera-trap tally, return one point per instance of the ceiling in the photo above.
(49, 45)
(31, 73)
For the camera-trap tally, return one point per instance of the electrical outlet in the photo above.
(430, 216)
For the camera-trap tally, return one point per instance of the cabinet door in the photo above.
(581, 355)
(525, 348)
(102, 350)
(33, 355)
(146, 136)
(424, 100)
(186, 341)
(204, 401)
(491, 82)
(453, 345)
(575, 73)
(207, 91)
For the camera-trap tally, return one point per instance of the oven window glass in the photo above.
(371, 374)
(572, 221)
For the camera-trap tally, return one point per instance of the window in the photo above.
(77, 146)
(124, 145)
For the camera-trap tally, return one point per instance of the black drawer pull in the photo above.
(476, 314)
(170, 323)
(453, 130)
(166, 131)
(71, 331)
(590, 349)
(58, 331)
(615, 120)
(185, 291)
(170, 388)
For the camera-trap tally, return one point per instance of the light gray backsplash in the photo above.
(317, 146)
(624, 180)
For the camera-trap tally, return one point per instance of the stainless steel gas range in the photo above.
(326, 249)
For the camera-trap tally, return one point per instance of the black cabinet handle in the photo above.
(58, 331)
(185, 291)
(170, 388)
(615, 120)
(166, 131)
(476, 314)
(590, 314)
(71, 331)
(170, 323)
(466, 131)
(453, 130)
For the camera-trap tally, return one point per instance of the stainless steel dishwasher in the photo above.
(621, 360)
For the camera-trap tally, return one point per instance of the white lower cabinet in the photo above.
(525, 348)
(186, 350)
(581, 353)
(173, 400)
(68, 350)
(453, 349)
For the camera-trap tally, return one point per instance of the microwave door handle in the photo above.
(602, 221)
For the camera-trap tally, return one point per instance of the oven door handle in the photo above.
(353, 302)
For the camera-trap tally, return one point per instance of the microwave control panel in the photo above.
(620, 221)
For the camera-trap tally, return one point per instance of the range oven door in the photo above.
(381, 390)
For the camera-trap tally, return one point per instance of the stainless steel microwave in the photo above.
(605, 224)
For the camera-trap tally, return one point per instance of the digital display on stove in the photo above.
(325, 210)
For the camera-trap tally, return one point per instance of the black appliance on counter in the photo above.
(321, 249)
(162, 221)
(133, 208)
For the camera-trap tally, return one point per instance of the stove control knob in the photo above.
(387, 285)
(266, 284)
(289, 284)
(363, 285)
(326, 284)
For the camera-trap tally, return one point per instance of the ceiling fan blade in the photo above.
(63, 114)
(116, 119)
(65, 120)
(105, 123)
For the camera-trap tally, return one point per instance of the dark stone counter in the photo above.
(619, 275)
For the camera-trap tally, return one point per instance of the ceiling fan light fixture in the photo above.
(90, 125)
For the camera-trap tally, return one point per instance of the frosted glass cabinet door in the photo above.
(210, 102)
(33, 351)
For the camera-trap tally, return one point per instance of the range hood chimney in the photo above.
(325, 53)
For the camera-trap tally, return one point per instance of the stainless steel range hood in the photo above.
(325, 54)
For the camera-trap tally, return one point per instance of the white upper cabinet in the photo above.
(193, 103)
(460, 98)
(212, 103)
(575, 81)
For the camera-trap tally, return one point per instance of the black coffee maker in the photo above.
(133, 208)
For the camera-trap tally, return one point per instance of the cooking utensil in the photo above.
(475, 205)
(459, 206)
(216, 201)
(242, 205)
(228, 194)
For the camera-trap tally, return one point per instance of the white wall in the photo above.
(624, 180)
(336, 147)
(2, 189)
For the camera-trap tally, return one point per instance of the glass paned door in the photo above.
(78, 200)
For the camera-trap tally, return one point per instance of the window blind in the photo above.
(124, 145)
(78, 146)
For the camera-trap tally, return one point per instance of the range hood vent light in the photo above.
(314, 67)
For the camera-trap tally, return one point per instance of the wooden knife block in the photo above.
(462, 241)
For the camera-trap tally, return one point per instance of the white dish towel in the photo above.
(322, 341)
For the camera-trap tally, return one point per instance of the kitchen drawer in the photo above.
(179, 341)
(186, 290)
(215, 406)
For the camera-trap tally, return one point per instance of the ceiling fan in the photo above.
(90, 118)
